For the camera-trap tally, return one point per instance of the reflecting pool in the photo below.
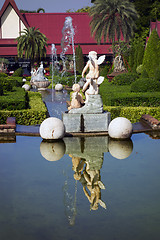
(80, 188)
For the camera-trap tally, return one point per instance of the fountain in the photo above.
(90, 117)
(38, 79)
(68, 39)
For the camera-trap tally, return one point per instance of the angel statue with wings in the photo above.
(92, 78)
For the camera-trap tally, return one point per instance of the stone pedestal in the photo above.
(87, 119)
(85, 123)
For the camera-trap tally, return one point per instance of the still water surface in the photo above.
(89, 188)
(40, 198)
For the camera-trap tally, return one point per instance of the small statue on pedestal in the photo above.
(77, 99)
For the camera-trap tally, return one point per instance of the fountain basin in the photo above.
(41, 85)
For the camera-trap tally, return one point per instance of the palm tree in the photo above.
(110, 18)
(32, 44)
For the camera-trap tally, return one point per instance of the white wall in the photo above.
(10, 23)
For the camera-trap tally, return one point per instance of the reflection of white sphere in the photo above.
(26, 87)
(52, 128)
(120, 128)
(120, 149)
(58, 87)
(52, 151)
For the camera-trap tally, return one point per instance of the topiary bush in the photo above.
(18, 73)
(125, 78)
(152, 54)
(145, 85)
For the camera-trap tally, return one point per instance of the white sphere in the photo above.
(120, 128)
(26, 87)
(52, 151)
(52, 128)
(58, 87)
(120, 149)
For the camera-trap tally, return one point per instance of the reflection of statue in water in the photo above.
(90, 179)
(77, 99)
(92, 78)
(94, 185)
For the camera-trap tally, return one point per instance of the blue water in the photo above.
(41, 200)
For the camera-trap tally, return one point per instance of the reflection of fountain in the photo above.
(38, 79)
(87, 160)
(68, 39)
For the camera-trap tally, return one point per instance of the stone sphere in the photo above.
(120, 128)
(26, 87)
(120, 149)
(58, 87)
(52, 151)
(52, 128)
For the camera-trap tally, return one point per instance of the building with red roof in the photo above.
(12, 21)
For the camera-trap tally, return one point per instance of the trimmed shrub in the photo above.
(145, 85)
(132, 113)
(132, 99)
(79, 59)
(151, 58)
(35, 115)
(18, 73)
(125, 78)
(15, 100)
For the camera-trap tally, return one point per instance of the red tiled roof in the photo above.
(51, 24)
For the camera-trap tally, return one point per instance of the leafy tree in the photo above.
(151, 60)
(79, 59)
(147, 10)
(32, 43)
(111, 18)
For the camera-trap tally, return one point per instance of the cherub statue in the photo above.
(77, 99)
(92, 78)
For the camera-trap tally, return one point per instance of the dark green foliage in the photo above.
(35, 115)
(18, 73)
(125, 78)
(15, 100)
(133, 99)
(151, 58)
(2, 75)
(145, 85)
(157, 74)
(6, 85)
(144, 73)
(1, 89)
(79, 59)
(104, 69)
(110, 19)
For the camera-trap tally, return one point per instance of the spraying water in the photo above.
(54, 60)
(68, 39)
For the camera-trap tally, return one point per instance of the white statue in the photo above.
(77, 99)
(118, 64)
(92, 78)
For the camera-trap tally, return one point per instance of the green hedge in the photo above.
(132, 113)
(147, 99)
(145, 85)
(35, 115)
(15, 100)
(125, 78)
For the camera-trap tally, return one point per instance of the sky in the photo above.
(50, 5)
